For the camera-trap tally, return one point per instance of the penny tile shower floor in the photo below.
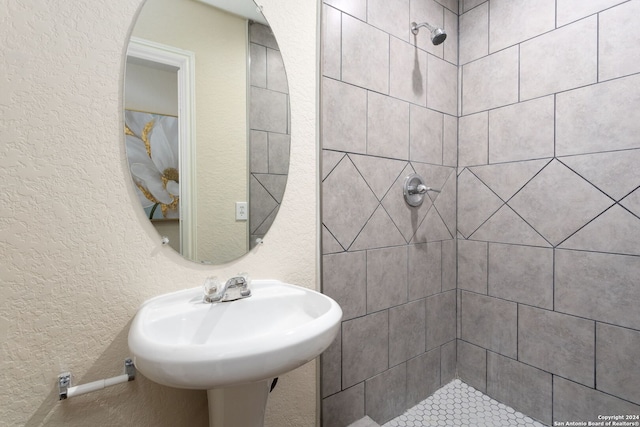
(457, 405)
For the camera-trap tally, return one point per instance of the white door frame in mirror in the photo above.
(184, 61)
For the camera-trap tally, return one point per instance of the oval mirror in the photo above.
(206, 124)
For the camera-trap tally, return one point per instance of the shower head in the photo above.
(437, 34)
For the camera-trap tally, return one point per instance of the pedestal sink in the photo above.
(232, 349)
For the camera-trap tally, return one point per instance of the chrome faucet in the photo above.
(235, 288)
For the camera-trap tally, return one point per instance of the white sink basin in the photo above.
(180, 341)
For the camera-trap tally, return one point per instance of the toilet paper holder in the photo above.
(65, 390)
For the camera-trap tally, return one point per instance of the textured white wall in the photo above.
(77, 259)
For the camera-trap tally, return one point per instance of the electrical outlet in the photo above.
(242, 213)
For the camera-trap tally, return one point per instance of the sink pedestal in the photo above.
(238, 406)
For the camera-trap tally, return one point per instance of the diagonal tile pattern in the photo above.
(557, 202)
(406, 218)
(619, 177)
(476, 203)
(348, 202)
(364, 206)
(378, 172)
(432, 229)
(379, 232)
(505, 226)
(445, 202)
(632, 202)
(616, 230)
(505, 179)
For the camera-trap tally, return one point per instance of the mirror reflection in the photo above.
(207, 124)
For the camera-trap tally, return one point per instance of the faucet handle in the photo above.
(245, 291)
(211, 287)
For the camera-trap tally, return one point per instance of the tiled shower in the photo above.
(269, 135)
(521, 277)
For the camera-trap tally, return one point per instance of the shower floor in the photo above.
(457, 405)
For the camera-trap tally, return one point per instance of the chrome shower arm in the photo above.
(416, 27)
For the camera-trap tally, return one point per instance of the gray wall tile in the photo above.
(557, 202)
(467, 5)
(563, 59)
(357, 8)
(450, 141)
(448, 356)
(274, 184)
(451, 5)
(516, 20)
(408, 71)
(432, 229)
(330, 160)
(269, 110)
(600, 117)
(347, 202)
(490, 323)
(575, 402)
(423, 376)
(474, 33)
(279, 145)
(365, 347)
(520, 386)
(344, 278)
(490, 82)
(387, 127)
(451, 27)
(476, 203)
(379, 231)
(258, 71)
(426, 135)
(331, 42)
(386, 278)
(447, 203)
(385, 394)
(406, 326)
(521, 274)
(391, 17)
(572, 10)
(259, 146)
(616, 230)
(473, 140)
(262, 203)
(449, 265)
(472, 266)
(329, 243)
(331, 365)
(522, 131)
(505, 179)
(262, 35)
(276, 75)
(442, 92)
(617, 361)
(425, 271)
(380, 173)
(472, 365)
(557, 343)
(505, 226)
(598, 286)
(441, 318)
(343, 408)
(365, 55)
(617, 59)
(615, 173)
(344, 117)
